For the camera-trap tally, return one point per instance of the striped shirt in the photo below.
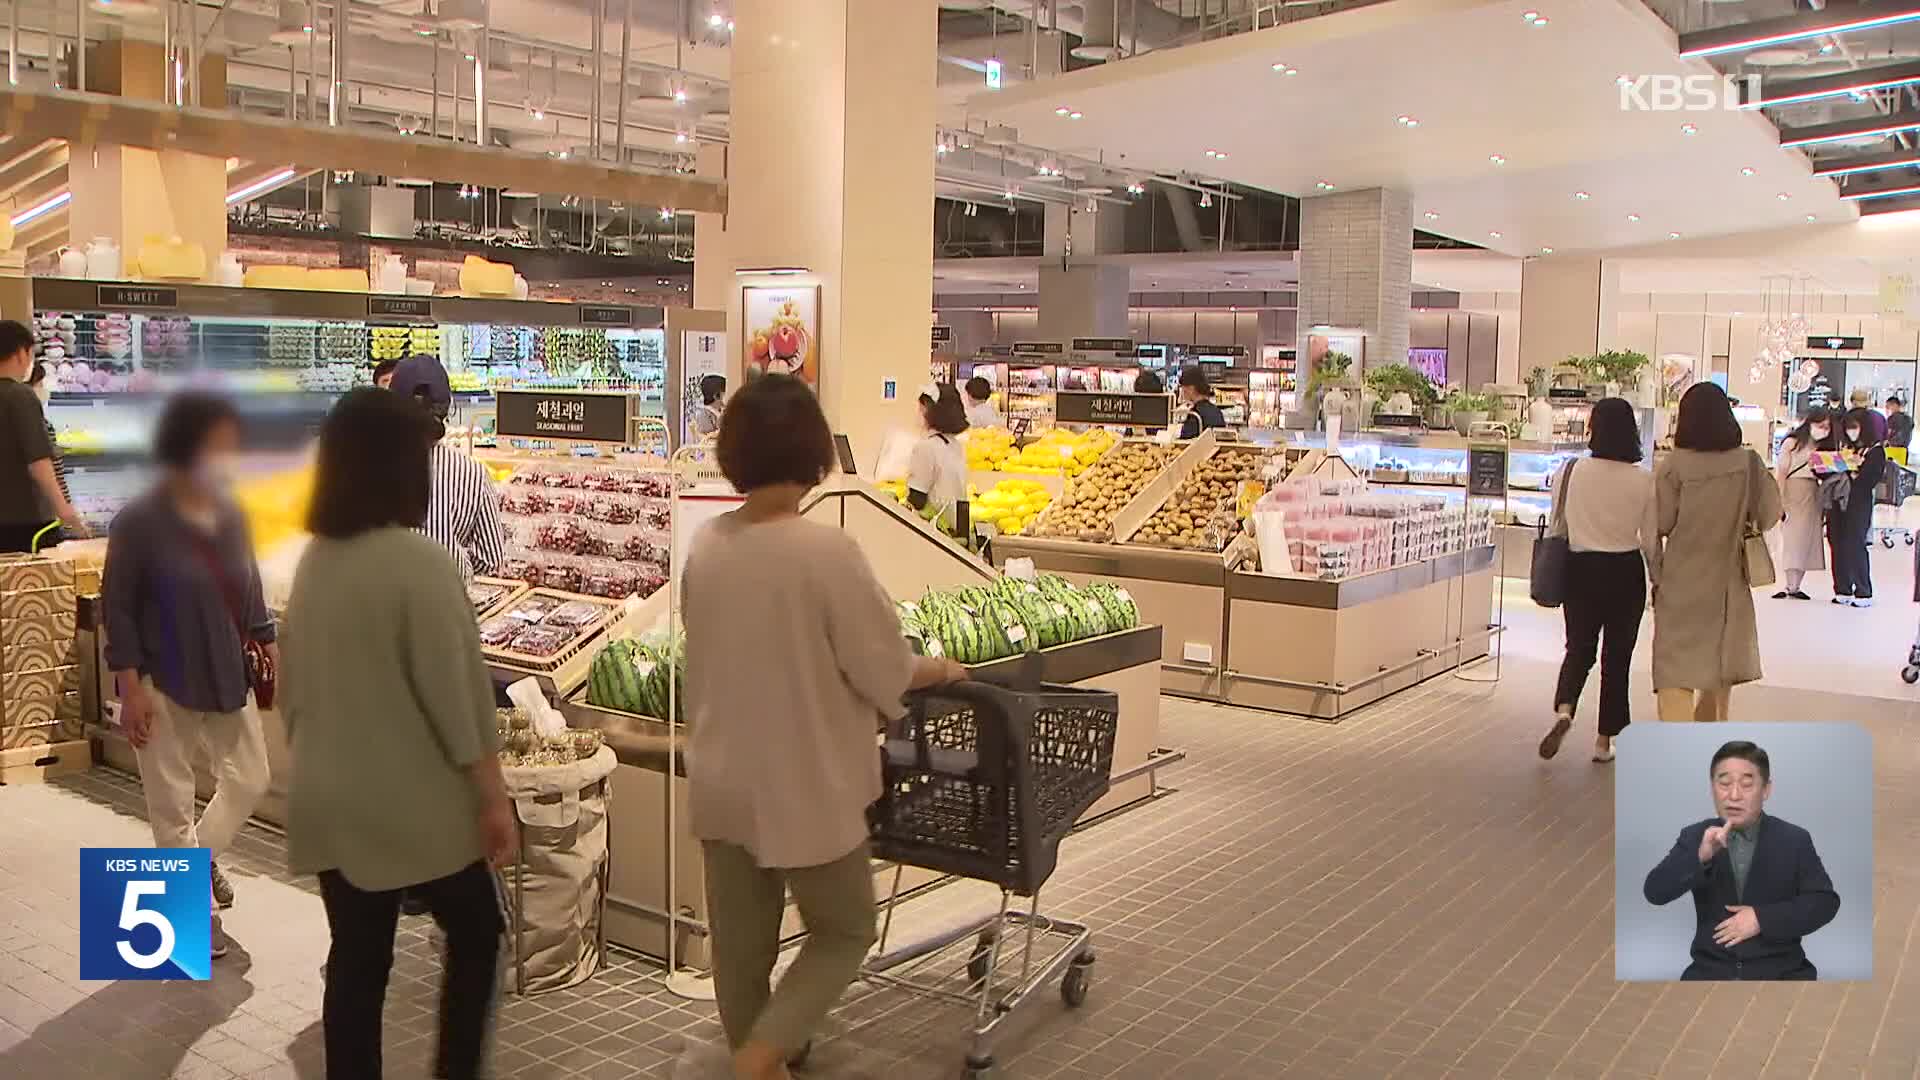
(59, 462)
(464, 513)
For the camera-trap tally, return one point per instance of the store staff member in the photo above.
(980, 410)
(463, 512)
(937, 471)
(1202, 413)
(1899, 423)
(30, 491)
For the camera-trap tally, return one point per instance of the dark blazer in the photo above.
(1787, 888)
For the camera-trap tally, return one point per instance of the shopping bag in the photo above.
(1547, 576)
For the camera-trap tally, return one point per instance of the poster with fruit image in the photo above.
(783, 331)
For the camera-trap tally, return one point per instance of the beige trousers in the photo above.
(1679, 704)
(236, 753)
(745, 903)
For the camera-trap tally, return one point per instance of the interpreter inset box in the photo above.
(1743, 851)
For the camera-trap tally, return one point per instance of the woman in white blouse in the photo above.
(794, 658)
(1608, 501)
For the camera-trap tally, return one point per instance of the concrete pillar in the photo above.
(1568, 307)
(1085, 300)
(130, 194)
(1356, 268)
(1073, 230)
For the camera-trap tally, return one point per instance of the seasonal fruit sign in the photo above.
(783, 331)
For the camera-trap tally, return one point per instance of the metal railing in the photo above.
(1224, 18)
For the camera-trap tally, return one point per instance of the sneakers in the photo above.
(222, 888)
(1550, 745)
(219, 940)
(1863, 601)
(1843, 600)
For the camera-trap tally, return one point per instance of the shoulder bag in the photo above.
(1547, 578)
(262, 674)
(1757, 561)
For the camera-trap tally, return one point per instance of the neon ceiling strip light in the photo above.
(258, 186)
(1844, 169)
(44, 208)
(1807, 29)
(1887, 193)
(1889, 128)
(1887, 83)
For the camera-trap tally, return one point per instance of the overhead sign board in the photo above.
(1838, 343)
(1130, 410)
(574, 415)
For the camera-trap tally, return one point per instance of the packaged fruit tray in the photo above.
(490, 594)
(1201, 514)
(1086, 511)
(547, 632)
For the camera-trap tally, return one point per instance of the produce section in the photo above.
(1088, 509)
(1204, 512)
(978, 624)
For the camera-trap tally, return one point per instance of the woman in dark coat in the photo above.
(1859, 437)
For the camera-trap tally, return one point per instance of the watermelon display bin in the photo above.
(950, 602)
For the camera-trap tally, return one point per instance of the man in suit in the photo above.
(1757, 883)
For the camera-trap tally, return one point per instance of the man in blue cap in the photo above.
(464, 512)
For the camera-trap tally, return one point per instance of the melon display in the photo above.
(632, 675)
(978, 624)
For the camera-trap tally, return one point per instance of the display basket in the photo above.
(509, 591)
(566, 669)
(982, 782)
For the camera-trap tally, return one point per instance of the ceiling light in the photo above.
(1062, 111)
(1689, 129)
(258, 186)
(1623, 80)
(1546, 251)
(1529, 15)
(410, 182)
(666, 213)
(1752, 35)
(1887, 193)
(1783, 196)
(47, 207)
(1497, 159)
(1866, 127)
(1854, 84)
(1075, 115)
(1583, 196)
(515, 193)
(1850, 166)
(1673, 236)
(1747, 171)
(1286, 69)
(1811, 217)
(1324, 185)
(1432, 215)
(1407, 121)
(716, 20)
(1495, 234)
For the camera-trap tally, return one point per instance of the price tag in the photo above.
(1016, 633)
(643, 668)
(934, 649)
(1124, 595)
(1060, 610)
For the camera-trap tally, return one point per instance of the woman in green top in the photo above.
(390, 711)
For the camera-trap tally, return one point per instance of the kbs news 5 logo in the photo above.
(145, 913)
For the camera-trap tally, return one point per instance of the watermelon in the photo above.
(1118, 604)
(638, 676)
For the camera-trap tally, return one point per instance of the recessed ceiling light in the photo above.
(1623, 80)
(1689, 129)
(1783, 196)
(1539, 22)
(1407, 121)
(1062, 111)
(1546, 251)
(1747, 171)
(1673, 236)
(1324, 185)
(1530, 15)
(1075, 115)
(1812, 217)
(1633, 217)
(1432, 215)
(1497, 159)
(1285, 68)
(1495, 234)
(1582, 195)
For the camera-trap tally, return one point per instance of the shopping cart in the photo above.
(1892, 490)
(982, 782)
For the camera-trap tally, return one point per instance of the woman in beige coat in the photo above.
(1706, 493)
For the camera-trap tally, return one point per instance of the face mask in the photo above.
(1853, 434)
(215, 474)
(1820, 432)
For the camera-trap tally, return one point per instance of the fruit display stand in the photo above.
(1291, 644)
(909, 557)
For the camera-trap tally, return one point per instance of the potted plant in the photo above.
(1613, 370)
(1539, 381)
(1388, 380)
(1468, 409)
(1330, 372)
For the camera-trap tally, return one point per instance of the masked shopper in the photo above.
(1801, 548)
(1849, 520)
(782, 766)
(390, 716)
(181, 601)
(1708, 493)
(463, 511)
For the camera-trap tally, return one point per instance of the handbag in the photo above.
(1756, 560)
(1547, 577)
(263, 675)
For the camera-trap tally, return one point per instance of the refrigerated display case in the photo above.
(1272, 389)
(114, 350)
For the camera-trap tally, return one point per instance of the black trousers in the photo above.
(1606, 596)
(1847, 547)
(467, 907)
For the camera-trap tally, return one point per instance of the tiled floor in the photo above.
(1410, 893)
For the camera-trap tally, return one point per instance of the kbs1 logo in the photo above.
(146, 913)
(1687, 93)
